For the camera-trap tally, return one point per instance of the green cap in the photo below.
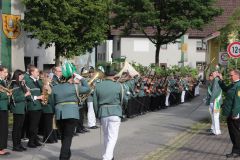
(68, 69)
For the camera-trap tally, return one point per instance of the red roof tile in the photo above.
(228, 6)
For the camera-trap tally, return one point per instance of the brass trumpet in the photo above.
(5, 90)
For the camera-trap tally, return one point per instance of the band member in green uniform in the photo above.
(34, 106)
(231, 109)
(107, 101)
(66, 107)
(57, 75)
(4, 102)
(18, 106)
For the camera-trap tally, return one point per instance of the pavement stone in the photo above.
(198, 145)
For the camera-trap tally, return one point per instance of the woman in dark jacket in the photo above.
(19, 98)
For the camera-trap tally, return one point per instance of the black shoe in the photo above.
(75, 134)
(37, 143)
(31, 145)
(232, 155)
(23, 148)
(85, 130)
(113, 158)
(124, 119)
(50, 141)
(80, 131)
(17, 149)
(94, 127)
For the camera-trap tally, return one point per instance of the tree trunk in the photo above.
(57, 55)
(157, 54)
(57, 59)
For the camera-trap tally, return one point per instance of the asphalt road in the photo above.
(138, 136)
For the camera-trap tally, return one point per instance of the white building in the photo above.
(141, 50)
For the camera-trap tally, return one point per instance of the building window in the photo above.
(101, 57)
(164, 46)
(35, 61)
(163, 65)
(200, 66)
(201, 46)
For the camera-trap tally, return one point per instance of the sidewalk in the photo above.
(196, 144)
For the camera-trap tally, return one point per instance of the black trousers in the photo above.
(147, 103)
(81, 119)
(130, 108)
(25, 129)
(234, 132)
(34, 119)
(67, 128)
(3, 129)
(47, 126)
(18, 121)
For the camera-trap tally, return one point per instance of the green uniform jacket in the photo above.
(55, 80)
(107, 99)
(66, 101)
(26, 77)
(35, 91)
(141, 92)
(19, 101)
(4, 99)
(216, 90)
(209, 92)
(231, 104)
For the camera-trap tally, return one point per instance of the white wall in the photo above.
(45, 56)
(23, 46)
(142, 51)
(194, 55)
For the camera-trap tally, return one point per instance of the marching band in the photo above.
(37, 99)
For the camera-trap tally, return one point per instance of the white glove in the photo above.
(77, 76)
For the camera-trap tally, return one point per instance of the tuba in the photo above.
(97, 75)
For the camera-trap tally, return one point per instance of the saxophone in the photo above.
(46, 90)
(5, 90)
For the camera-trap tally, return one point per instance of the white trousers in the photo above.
(183, 96)
(91, 115)
(215, 120)
(110, 127)
(167, 99)
(196, 92)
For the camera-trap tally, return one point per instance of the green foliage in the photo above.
(72, 26)
(169, 19)
(174, 70)
(140, 68)
(232, 30)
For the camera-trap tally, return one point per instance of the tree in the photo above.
(73, 27)
(231, 31)
(169, 19)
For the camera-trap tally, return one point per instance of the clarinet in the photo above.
(26, 89)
